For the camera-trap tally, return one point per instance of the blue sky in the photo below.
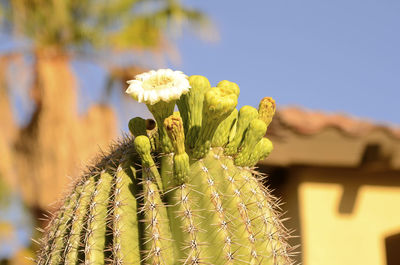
(13, 212)
(337, 56)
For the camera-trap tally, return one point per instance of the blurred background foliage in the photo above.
(48, 35)
(98, 24)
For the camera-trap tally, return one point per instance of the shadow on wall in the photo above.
(355, 183)
(392, 246)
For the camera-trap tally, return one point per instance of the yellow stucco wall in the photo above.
(329, 237)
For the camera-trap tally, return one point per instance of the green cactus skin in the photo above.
(145, 203)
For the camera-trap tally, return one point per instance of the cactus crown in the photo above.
(182, 192)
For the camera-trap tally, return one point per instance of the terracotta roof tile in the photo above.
(311, 122)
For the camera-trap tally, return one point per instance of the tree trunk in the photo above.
(7, 125)
(57, 141)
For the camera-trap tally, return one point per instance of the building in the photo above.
(340, 180)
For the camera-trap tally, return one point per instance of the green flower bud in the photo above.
(137, 126)
(261, 151)
(143, 148)
(191, 106)
(218, 105)
(254, 133)
(230, 85)
(219, 102)
(221, 136)
(246, 115)
(174, 126)
(266, 110)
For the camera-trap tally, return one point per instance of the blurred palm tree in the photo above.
(54, 32)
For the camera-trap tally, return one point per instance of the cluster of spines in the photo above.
(222, 223)
(243, 201)
(205, 207)
(188, 225)
(81, 232)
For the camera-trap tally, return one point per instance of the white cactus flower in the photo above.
(161, 85)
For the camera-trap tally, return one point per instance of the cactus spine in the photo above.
(182, 192)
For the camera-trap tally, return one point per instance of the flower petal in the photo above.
(161, 85)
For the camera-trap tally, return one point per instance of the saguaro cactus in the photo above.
(185, 192)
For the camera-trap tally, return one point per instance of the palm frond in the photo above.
(97, 23)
